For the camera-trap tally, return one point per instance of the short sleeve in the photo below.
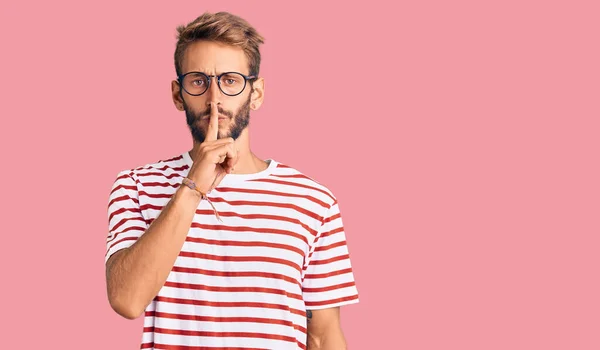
(328, 280)
(125, 221)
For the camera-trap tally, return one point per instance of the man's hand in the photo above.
(324, 331)
(215, 158)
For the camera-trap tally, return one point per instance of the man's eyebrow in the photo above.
(217, 73)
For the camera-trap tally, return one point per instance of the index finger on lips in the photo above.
(213, 124)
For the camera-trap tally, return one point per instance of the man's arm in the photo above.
(134, 275)
(324, 330)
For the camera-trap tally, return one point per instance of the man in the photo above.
(218, 248)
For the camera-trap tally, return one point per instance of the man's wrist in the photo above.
(185, 192)
(191, 184)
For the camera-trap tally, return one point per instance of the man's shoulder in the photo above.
(162, 167)
(290, 175)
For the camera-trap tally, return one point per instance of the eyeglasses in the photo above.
(230, 83)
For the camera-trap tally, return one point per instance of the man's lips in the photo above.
(220, 118)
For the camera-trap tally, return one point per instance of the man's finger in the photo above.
(213, 123)
(218, 151)
(232, 161)
(219, 142)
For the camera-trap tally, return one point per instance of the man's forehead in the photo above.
(214, 58)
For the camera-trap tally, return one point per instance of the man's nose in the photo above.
(213, 93)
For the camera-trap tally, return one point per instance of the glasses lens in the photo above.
(232, 83)
(195, 83)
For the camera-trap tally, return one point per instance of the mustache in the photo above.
(220, 110)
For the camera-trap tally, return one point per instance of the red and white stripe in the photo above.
(246, 282)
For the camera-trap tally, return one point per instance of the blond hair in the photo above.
(222, 27)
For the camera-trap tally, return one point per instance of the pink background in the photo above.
(461, 139)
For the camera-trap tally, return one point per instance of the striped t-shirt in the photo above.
(245, 282)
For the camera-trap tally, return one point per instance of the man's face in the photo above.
(234, 111)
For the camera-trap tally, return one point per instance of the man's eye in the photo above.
(230, 81)
(198, 82)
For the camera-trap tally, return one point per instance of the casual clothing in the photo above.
(246, 282)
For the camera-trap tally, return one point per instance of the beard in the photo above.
(237, 124)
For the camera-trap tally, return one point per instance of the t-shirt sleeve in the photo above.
(328, 280)
(125, 221)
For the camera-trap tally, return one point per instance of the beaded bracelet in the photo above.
(191, 184)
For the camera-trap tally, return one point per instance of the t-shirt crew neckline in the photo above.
(236, 178)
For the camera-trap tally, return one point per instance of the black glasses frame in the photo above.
(209, 79)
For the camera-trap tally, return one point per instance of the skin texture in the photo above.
(324, 331)
(136, 274)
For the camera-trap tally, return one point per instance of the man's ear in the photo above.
(258, 93)
(176, 95)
